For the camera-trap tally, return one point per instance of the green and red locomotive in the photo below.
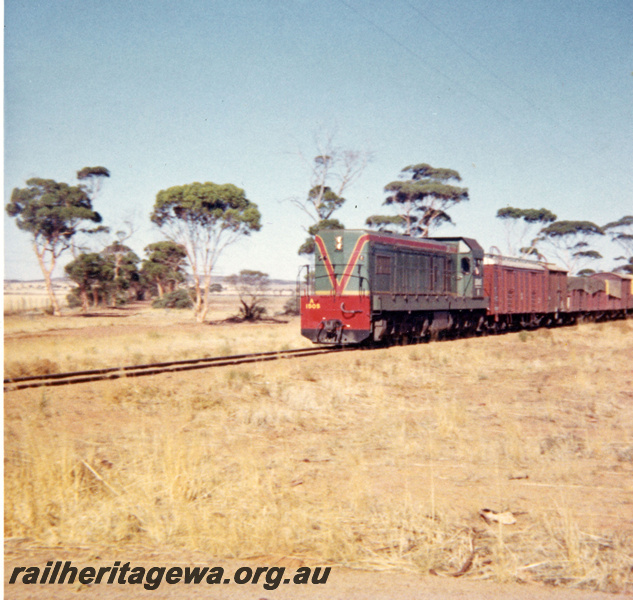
(370, 286)
(377, 286)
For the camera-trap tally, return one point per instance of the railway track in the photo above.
(55, 379)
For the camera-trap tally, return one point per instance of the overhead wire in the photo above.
(482, 65)
(458, 84)
(418, 56)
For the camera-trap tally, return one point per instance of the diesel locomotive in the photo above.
(370, 286)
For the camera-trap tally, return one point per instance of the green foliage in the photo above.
(422, 200)
(73, 298)
(325, 200)
(333, 169)
(626, 221)
(179, 299)
(204, 218)
(126, 278)
(93, 274)
(51, 212)
(89, 268)
(110, 276)
(593, 254)
(568, 229)
(164, 265)
(88, 173)
(529, 215)
(530, 251)
(207, 205)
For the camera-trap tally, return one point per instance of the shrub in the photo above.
(292, 306)
(176, 299)
(73, 299)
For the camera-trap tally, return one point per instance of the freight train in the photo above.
(371, 287)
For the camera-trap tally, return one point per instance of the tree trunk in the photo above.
(48, 280)
(200, 309)
(57, 312)
(203, 308)
(83, 294)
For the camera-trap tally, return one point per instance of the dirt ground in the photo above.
(581, 443)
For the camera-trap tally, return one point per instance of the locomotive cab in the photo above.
(469, 268)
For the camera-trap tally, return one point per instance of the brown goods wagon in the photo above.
(617, 290)
(557, 289)
(585, 294)
(515, 285)
(627, 292)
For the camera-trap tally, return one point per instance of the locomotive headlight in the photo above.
(338, 243)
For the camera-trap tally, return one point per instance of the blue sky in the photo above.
(531, 101)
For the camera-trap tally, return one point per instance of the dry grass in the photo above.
(38, 344)
(379, 459)
(20, 303)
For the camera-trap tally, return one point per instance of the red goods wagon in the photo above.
(584, 294)
(627, 292)
(601, 294)
(557, 289)
(515, 286)
(617, 291)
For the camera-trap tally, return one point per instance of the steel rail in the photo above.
(56, 379)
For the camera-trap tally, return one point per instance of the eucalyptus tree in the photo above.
(204, 218)
(51, 212)
(164, 265)
(530, 220)
(125, 273)
(569, 243)
(92, 178)
(421, 200)
(91, 272)
(332, 171)
(91, 181)
(621, 232)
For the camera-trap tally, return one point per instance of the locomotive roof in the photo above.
(445, 244)
(472, 243)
